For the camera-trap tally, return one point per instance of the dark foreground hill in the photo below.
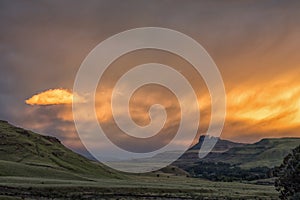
(24, 153)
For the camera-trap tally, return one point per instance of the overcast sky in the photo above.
(255, 44)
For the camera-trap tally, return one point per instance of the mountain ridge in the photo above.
(25, 153)
(267, 152)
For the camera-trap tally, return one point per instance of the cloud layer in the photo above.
(254, 43)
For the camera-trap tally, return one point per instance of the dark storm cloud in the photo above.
(42, 43)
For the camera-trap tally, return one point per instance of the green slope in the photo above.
(240, 161)
(265, 153)
(24, 153)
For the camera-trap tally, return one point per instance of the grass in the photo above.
(24, 153)
(33, 166)
(265, 153)
(134, 187)
(18, 169)
(271, 152)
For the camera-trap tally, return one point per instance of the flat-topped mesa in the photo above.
(202, 137)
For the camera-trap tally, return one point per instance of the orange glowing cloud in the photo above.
(277, 101)
(267, 109)
(254, 110)
(53, 97)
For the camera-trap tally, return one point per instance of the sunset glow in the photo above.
(254, 44)
(273, 102)
(249, 107)
(51, 97)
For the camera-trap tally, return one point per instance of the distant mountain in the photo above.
(24, 153)
(268, 152)
(220, 147)
(235, 161)
(265, 153)
(28, 154)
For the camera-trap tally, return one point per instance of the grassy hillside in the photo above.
(24, 153)
(33, 166)
(265, 153)
(240, 161)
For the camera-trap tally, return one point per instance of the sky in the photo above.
(254, 43)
